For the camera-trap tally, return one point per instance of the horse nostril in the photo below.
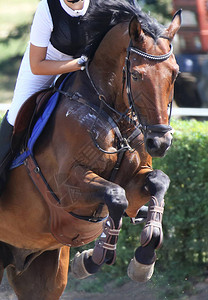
(150, 143)
(156, 147)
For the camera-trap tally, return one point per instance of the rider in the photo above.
(57, 35)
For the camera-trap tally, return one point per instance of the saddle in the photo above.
(32, 108)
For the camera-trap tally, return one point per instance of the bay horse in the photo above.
(93, 161)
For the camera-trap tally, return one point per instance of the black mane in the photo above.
(104, 14)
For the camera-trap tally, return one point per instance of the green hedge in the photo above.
(186, 210)
(184, 255)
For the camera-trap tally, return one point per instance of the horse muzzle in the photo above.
(157, 143)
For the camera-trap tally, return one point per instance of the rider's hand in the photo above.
(82, 61)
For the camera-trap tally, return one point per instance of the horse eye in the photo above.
(135, 76)
(175, 75)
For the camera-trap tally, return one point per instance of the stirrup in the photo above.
(106, 242)
(155, 212)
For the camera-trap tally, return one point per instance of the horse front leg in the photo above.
(141, 266)
(105, 246)
(89, 261)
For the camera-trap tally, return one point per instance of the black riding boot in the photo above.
(6, 153)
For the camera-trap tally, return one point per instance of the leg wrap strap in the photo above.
(107, 241)
(154, 219)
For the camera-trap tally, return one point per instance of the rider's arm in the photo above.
(40, 66)
(39, 41)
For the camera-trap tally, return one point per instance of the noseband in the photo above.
(145, 128)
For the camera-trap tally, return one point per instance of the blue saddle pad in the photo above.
(38, 128)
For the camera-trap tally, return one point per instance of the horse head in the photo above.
(151, 71)
(139, 54)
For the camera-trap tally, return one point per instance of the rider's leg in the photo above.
(26, 85)
(6, 153)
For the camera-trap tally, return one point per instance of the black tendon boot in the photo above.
(6, 153)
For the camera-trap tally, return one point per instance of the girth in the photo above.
(46, 191)
(67, 228)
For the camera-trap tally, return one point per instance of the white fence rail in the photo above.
(189, 112)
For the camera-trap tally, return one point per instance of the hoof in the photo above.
(78, 269)
(140, 272)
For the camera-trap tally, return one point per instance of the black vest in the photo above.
(68, 35)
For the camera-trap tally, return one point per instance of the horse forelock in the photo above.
(104, 15)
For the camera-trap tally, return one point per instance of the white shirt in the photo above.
(42, 26)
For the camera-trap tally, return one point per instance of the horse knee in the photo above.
(157, 182)
(115, 198)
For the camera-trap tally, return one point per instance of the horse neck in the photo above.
(107, 66)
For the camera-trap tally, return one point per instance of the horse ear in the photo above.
(174, 25)
(134, 28)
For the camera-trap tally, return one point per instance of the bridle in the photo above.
(162, 128)
(127, 74)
